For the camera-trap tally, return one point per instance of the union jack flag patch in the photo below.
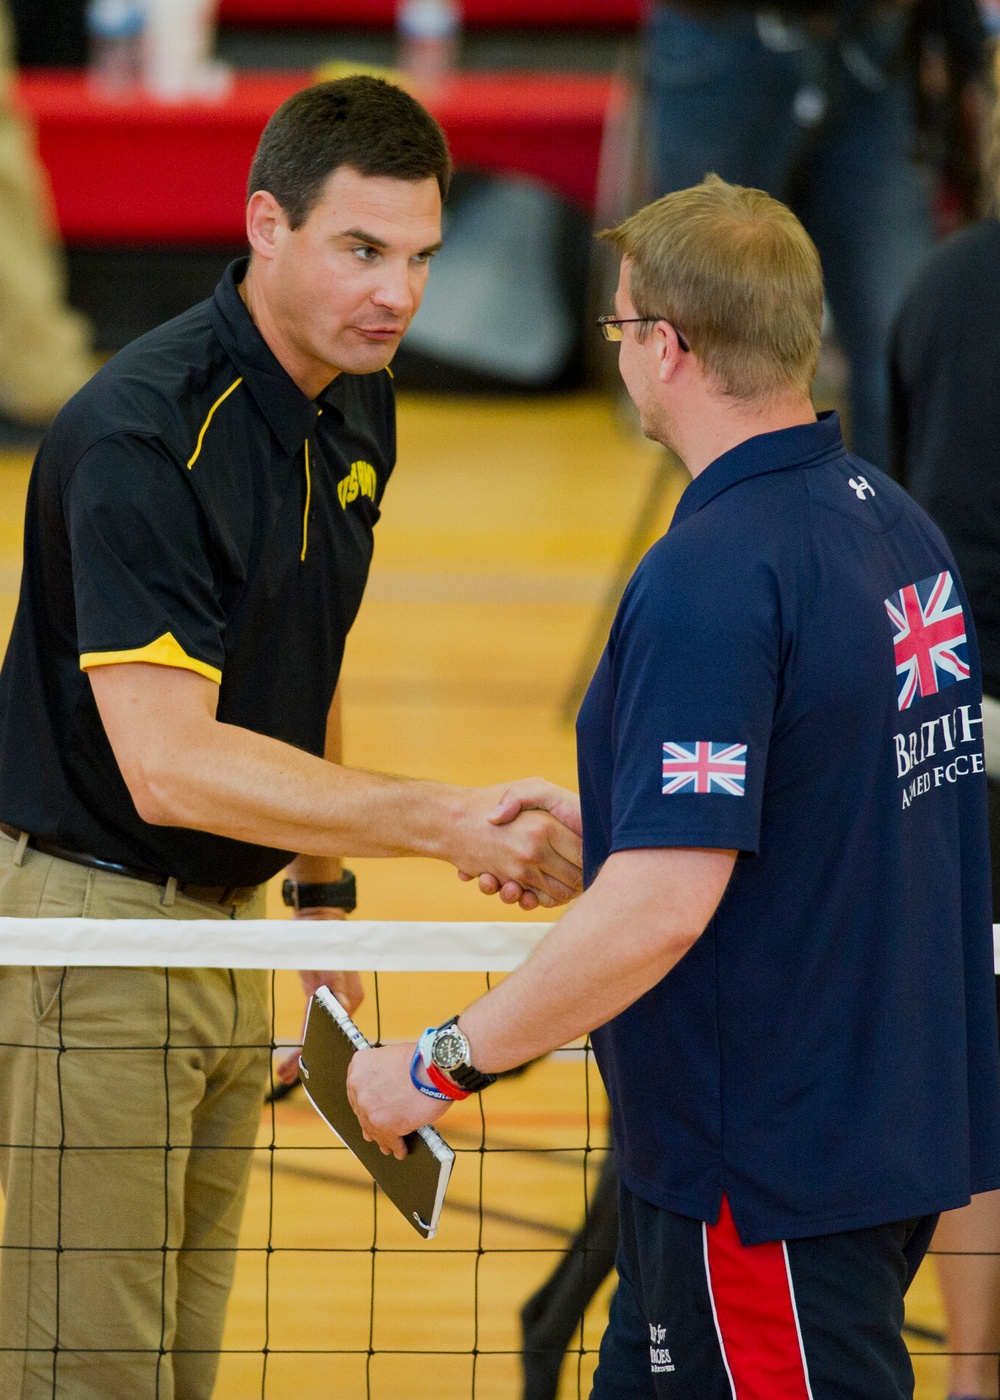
(702, 766)
(928, 638)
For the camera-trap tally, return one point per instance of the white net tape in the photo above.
(364, 945)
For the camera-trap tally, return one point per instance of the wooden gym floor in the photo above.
(499, 532)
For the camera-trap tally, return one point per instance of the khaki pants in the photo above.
(43, 343)
(129, 1100)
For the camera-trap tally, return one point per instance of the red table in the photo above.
(149, 173)
(514, 13)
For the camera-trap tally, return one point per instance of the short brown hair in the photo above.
(737, 273)
(366, 123)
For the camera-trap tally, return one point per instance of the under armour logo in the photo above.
(860, 486)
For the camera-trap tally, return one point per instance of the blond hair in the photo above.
(738, 275)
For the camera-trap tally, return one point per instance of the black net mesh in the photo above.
(126, 1160)
(166, 1236)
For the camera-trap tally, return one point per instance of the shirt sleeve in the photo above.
(695, 667)
(143, 580)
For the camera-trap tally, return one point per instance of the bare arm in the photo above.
(313, 869)
(641, 915)
(183, 767)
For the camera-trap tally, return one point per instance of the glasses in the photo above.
(611, 327)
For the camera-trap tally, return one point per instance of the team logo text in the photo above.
(941, 739)
(659, 1355)
(362, 480)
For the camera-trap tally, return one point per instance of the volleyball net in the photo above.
(333, 1292)
(107, 1151)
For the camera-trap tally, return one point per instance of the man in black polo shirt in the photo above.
(198, 536)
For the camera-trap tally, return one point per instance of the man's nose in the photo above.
(396, 290)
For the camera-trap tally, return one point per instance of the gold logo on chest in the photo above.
(362, 480)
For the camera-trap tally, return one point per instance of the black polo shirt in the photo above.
(190, 507)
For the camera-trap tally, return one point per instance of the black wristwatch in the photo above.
(450, 1054)
(336, 894)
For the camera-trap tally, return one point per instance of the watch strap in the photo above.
(333, 894)
(472, 1080)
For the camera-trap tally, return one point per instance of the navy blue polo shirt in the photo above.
(793, 674)
(190, 507)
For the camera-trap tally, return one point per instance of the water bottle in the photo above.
(116, 29)
(179, 36)
(428, 33)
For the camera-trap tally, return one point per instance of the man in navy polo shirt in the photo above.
(785, 937)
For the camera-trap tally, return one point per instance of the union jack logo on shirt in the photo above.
(703, 766)
(928, 637)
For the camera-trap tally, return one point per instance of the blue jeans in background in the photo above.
(822, 123)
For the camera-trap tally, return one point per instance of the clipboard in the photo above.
(415, 1185)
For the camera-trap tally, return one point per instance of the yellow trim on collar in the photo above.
(305, 513)
(165, 651)
(211, 413)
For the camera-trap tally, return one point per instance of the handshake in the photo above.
(522, 841)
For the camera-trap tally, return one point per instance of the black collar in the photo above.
(289, 413)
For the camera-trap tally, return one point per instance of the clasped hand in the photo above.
(529, 848)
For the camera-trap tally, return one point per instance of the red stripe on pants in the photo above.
(755, 1314)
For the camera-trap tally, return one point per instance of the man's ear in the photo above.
(668, 351)
(265, 223)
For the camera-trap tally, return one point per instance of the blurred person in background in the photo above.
(50, 33)
(44, 356)
(817, 102)
(945, 424)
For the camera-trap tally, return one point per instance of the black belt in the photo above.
(205, 894)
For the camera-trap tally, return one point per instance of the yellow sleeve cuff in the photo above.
(165, 651)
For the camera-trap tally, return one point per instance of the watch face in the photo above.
(449, 1049)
